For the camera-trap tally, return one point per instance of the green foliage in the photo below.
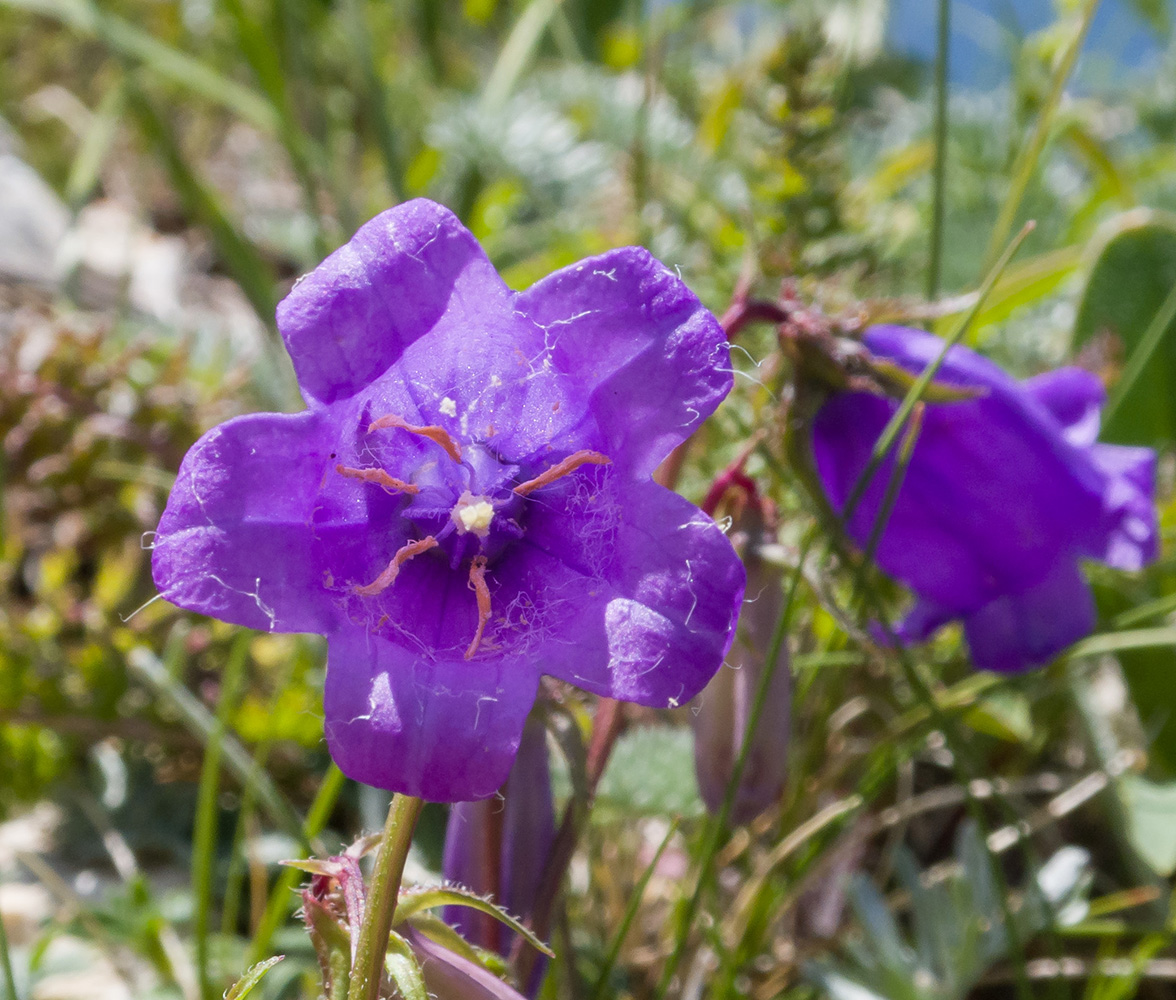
(743, 143)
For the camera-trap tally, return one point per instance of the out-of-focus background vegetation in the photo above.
(169, 167)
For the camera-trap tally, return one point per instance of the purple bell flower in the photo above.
(466, 501)
(498, 847)
(1004, 494)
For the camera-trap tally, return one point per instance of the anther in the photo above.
(478, 586)
(561, 469)
(434, 433)
(388, 577)
(379, 477)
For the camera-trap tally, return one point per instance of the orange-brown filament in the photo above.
(478, 585)
(561, 469)
(388, 577)
(432, 432)
(379, 477)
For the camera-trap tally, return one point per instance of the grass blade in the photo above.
(204, 836)
(132, 43)
(1026, 163)
(282, 898)
(240, 256)
(939, 190)
(235, 757)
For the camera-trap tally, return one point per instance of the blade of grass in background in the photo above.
(131, 43)
(262, 57)
(204, 835)
(282, 898)
(240, 256)
(939, 190)
(236, 758)
(375, 96)
(1025, 165)
(618, 941)
(86, 168)
(6, 966)
(517, 52)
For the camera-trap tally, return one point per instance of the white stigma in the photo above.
(448, 407)
(473, 514)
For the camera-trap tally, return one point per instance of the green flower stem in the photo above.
(381, 898)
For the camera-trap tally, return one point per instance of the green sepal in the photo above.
(417, 899)
(404, 970)
(253, 975)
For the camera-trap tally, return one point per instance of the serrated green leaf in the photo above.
(244, 986)
(404, 969)
(414, 900)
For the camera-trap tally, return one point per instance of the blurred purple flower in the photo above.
(1004, 494)
(466, 501)
(498, 847)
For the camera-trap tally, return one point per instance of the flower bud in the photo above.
(498, 846)
(721, 712)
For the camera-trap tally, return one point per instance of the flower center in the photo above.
(473, 515)
(477, 525)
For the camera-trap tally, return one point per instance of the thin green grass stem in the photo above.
(375, 96)
(1141, 357)
(204, 837)
(383, 893)
(896, 423)
(961, 753)
(517, 52)
(717, 827)
(281, 898)
(6, 965)
(939, 178)
(893, 486)
(1025, 164)
(618, 941)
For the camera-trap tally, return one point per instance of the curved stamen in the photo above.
(561, 469)
(478, 585)
(379, 477)
(434, 433)
(388, 577)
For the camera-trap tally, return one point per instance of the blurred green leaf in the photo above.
(1131, 280)
(651, 772)
(1004, 714)
(1151, 820)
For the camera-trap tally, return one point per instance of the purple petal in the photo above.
(1074, 397)
(448, 976)
(445, 730)
(648, 586)
(991, 495)
(1028, 629)
(654, 360)
(236, 540)
(412, 271)
(1130, 518)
